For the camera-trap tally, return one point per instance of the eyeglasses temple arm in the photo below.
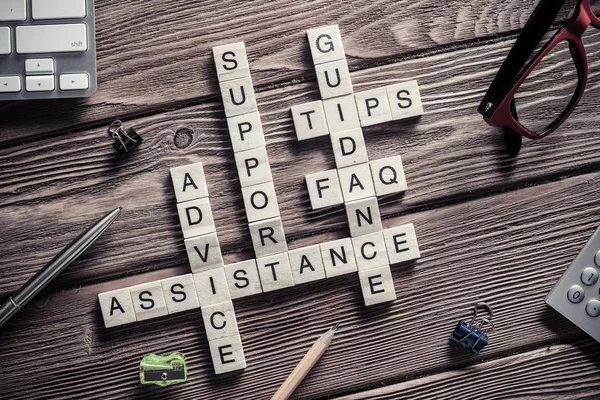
(534, 30)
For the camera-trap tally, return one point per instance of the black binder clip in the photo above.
(125, 140)
(472, 335)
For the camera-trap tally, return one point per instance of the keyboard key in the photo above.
(13, 10)
(575, 294)
(51, 38)
(10, 84)
(39, 66)
(74, 82)
(593, 308)
(589, 276)
(5, 47)
(43, 83)
(52, 9)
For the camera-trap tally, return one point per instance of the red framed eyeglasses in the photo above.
(537, 88)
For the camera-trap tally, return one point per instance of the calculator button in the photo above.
(576, 294)
(589, 276)
(74, 82)
(10, 84)
(42, 83)
(13, 10)
(52, 9)
(39, 66)
(66, 38)
(593, 308)
(5, 47)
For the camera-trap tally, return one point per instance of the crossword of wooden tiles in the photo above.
(356, 183)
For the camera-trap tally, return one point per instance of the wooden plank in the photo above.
(156, 54)
(563, 371)
(507, 249)
(51, 189)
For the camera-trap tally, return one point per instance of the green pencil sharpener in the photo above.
(163, 370)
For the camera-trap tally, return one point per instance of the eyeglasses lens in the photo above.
(547, 90)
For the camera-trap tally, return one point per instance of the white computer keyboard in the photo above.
(47, 49)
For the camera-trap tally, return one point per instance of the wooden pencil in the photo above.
(305, 365)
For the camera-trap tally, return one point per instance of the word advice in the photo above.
(356, 182)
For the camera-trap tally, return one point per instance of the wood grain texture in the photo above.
(507, 249)
(561, 372)
(157, 54)
(51, 189)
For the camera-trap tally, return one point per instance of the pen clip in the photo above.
(14, 303)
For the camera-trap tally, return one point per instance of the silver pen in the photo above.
(67, 255)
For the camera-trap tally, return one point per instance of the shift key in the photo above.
(65, 38)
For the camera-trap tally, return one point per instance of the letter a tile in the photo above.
(117, 307)
(189, 182)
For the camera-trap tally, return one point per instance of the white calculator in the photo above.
(577, 293)
(47, 49)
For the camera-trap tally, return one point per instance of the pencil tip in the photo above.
(335, 327)
(120, 208)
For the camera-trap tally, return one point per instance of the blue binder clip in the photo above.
(472, 335)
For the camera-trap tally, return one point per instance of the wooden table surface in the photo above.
(489, 227)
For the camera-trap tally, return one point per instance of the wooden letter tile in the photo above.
(246, 132)
(219, 321)
(405, 100)
(117, 307)
(325, 44)
(306, 264)
(324, 189)
(401, 243)
(204, 252)
(309, 120)
(242, 279)
(363, 216)
(275, 272)
(195, 217)
(377, 285)
(227, 354)
(338, 257)
(189, 182)
(370, 251)
(349, 148)
(356, 182)
(260, 201)
(388, 175)
(238, 97)
(211, 287)
(341, 113)
(148, 300)
(373, 107)
(180, 293)
(334, 79)
(268, 237)
(231, 61)
(253, 166)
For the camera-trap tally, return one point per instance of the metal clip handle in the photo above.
(484, 324)
(117, 131)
